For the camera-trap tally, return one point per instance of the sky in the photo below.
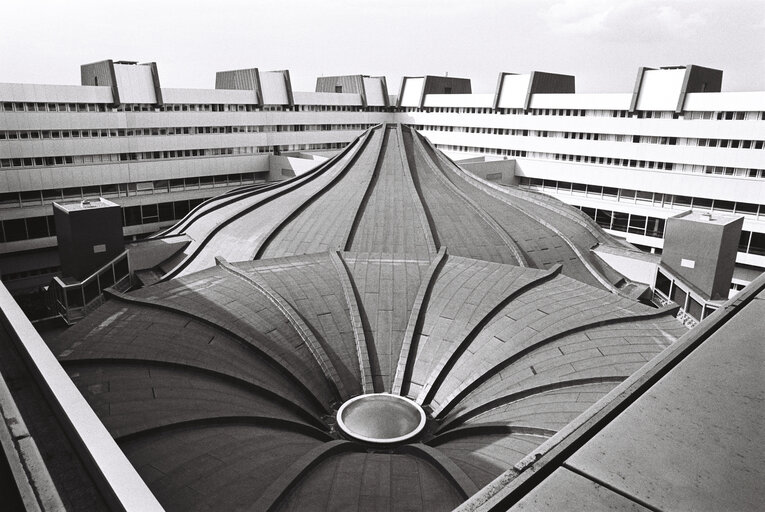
(601, 42)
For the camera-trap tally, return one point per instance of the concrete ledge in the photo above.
(118, 480)
(514, 483)
(36, 488)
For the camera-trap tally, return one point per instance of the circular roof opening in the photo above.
(381, 418)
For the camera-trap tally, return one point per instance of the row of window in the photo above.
(14, 230)
(640, 114)
(751, 242)
(47, 196)
(16, 106)
(626, 223)
(105, 158)
(184, 130)
(624, 162)
(221, 107)
(630, 196)
(608, 137)
(670, 289)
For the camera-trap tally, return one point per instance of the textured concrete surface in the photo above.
(222, 386)
(386, 269)
(391, 192)
(702, 448)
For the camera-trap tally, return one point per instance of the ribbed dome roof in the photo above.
(222, 383)
(391, 191)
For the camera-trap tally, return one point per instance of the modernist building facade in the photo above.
(630, 160)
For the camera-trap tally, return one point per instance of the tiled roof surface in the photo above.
(390, 191)
(222, 385)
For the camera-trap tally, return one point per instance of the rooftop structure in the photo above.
(404, 334)
(478, 319)
(675, 143)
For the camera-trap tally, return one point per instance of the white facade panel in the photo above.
(460, 100)
(55, 93)
(274, 88)
(135, 83)
(412, 91)
(373, 86)
(613, 101)
(725, 101)
(660, 89)
(512, 93)
(209, 96)
(327, 98)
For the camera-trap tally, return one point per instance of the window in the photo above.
(678, 296)
(757, 244)
(663, 284)
(655, 227)
(620, 220)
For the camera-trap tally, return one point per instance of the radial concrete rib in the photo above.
(345, 239)
(418, 189)
(466, 388)
(279, 488)
(354, 224)
(506, 238)
(288, 186)
(296, 321)
(365, 368)
(490, 429)
(458, 478)
(416, 317)
(427, 229)
(261, 349)
(437, 376)
(219, 421)
(271, 394)
(590, 268)
(258, 252)
(217, 203)
(477, 410)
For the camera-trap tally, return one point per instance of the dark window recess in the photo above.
(637, 224)
(757, 244)
(589, 211)
(15, 230)
(620, 221)
(181, 209)
(724, 205)
(663, 283)
(149, 213)
(132, 215)
(603, 218)
(743, 242)
(694, 308)
(37, 227)
(655, 227)
(678, 296)
(166, 212)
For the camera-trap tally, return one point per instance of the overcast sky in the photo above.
(601, 42)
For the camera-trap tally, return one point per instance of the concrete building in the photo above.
(630, 161)
(385, 331)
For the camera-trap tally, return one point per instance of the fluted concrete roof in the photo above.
(221, 386)
(387, 269)
(392, 191)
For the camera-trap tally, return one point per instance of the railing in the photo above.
(75, 300)
(683, 316)
(687, 319)
(660, 299)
